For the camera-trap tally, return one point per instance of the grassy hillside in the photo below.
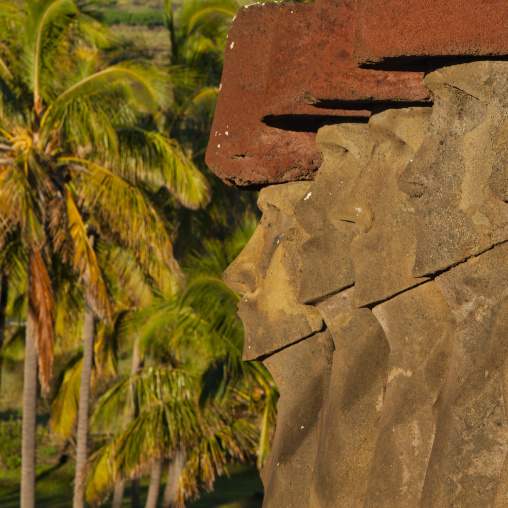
(140, 22)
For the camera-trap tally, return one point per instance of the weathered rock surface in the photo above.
(458, 176)
(420, 329)
(346, 150)
(468, 464)
(376, 294)
(302, 374)
(288, 69)
(348, 429)
(384, 213)
(389, 29)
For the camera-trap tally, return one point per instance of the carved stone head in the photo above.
(268, 274)
(458, 178)
(384, 248)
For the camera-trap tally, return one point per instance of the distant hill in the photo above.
(141, 22)
(132, 12)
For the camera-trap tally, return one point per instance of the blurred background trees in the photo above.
(113, 239)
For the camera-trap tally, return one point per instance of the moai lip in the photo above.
(281, 81)
(420, 29)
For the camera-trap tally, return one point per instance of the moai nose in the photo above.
(413, 180)
(242, 274)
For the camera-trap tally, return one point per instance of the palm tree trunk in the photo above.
(28, 446)
(84, 405)
(135, 365)
(120, 487)
(174, 472)
(135, 503)
(155, 483)
(118, 495)
(4, 293)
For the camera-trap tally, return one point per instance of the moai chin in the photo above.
(375, 287)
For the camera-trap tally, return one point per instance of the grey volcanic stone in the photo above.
(349, 423)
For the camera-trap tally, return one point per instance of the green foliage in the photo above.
(94, 140)
(10, 437)
(144, 18)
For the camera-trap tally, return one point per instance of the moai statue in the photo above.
(354, 400)
(413, 313)
(374, 293)
(458, 180)
(264, 132)
(289, 337)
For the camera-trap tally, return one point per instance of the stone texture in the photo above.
(389, 29)
(420, 329)
(288, 69)
(468, 464)
(267, 274)
(346, 149)
(356, 185)
(348, 429)
(302, 373)
(383, 212)
(458, 176)
(377, 293)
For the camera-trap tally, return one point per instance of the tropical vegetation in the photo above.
(113, 238)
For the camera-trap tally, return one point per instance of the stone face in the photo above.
(267, 274)
(346, 150)
(384, 249)
(377, 293)
(457, 178)
(288, 69)
(302, 374)
(389, 29)
(358, 220)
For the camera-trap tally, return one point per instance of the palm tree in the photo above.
(178, 424)
(170, 417)
(74, 165)
(4, 294)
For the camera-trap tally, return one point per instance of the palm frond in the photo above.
(133, 286)
(49, 21)
(100, 473)
(142, 86)
(42, 305)
(64, 409)
(125, 209)
(154, 158)
(85, 259)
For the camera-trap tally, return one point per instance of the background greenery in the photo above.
(167, 370)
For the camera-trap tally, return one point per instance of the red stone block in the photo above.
(410, 29)
(281, 81)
